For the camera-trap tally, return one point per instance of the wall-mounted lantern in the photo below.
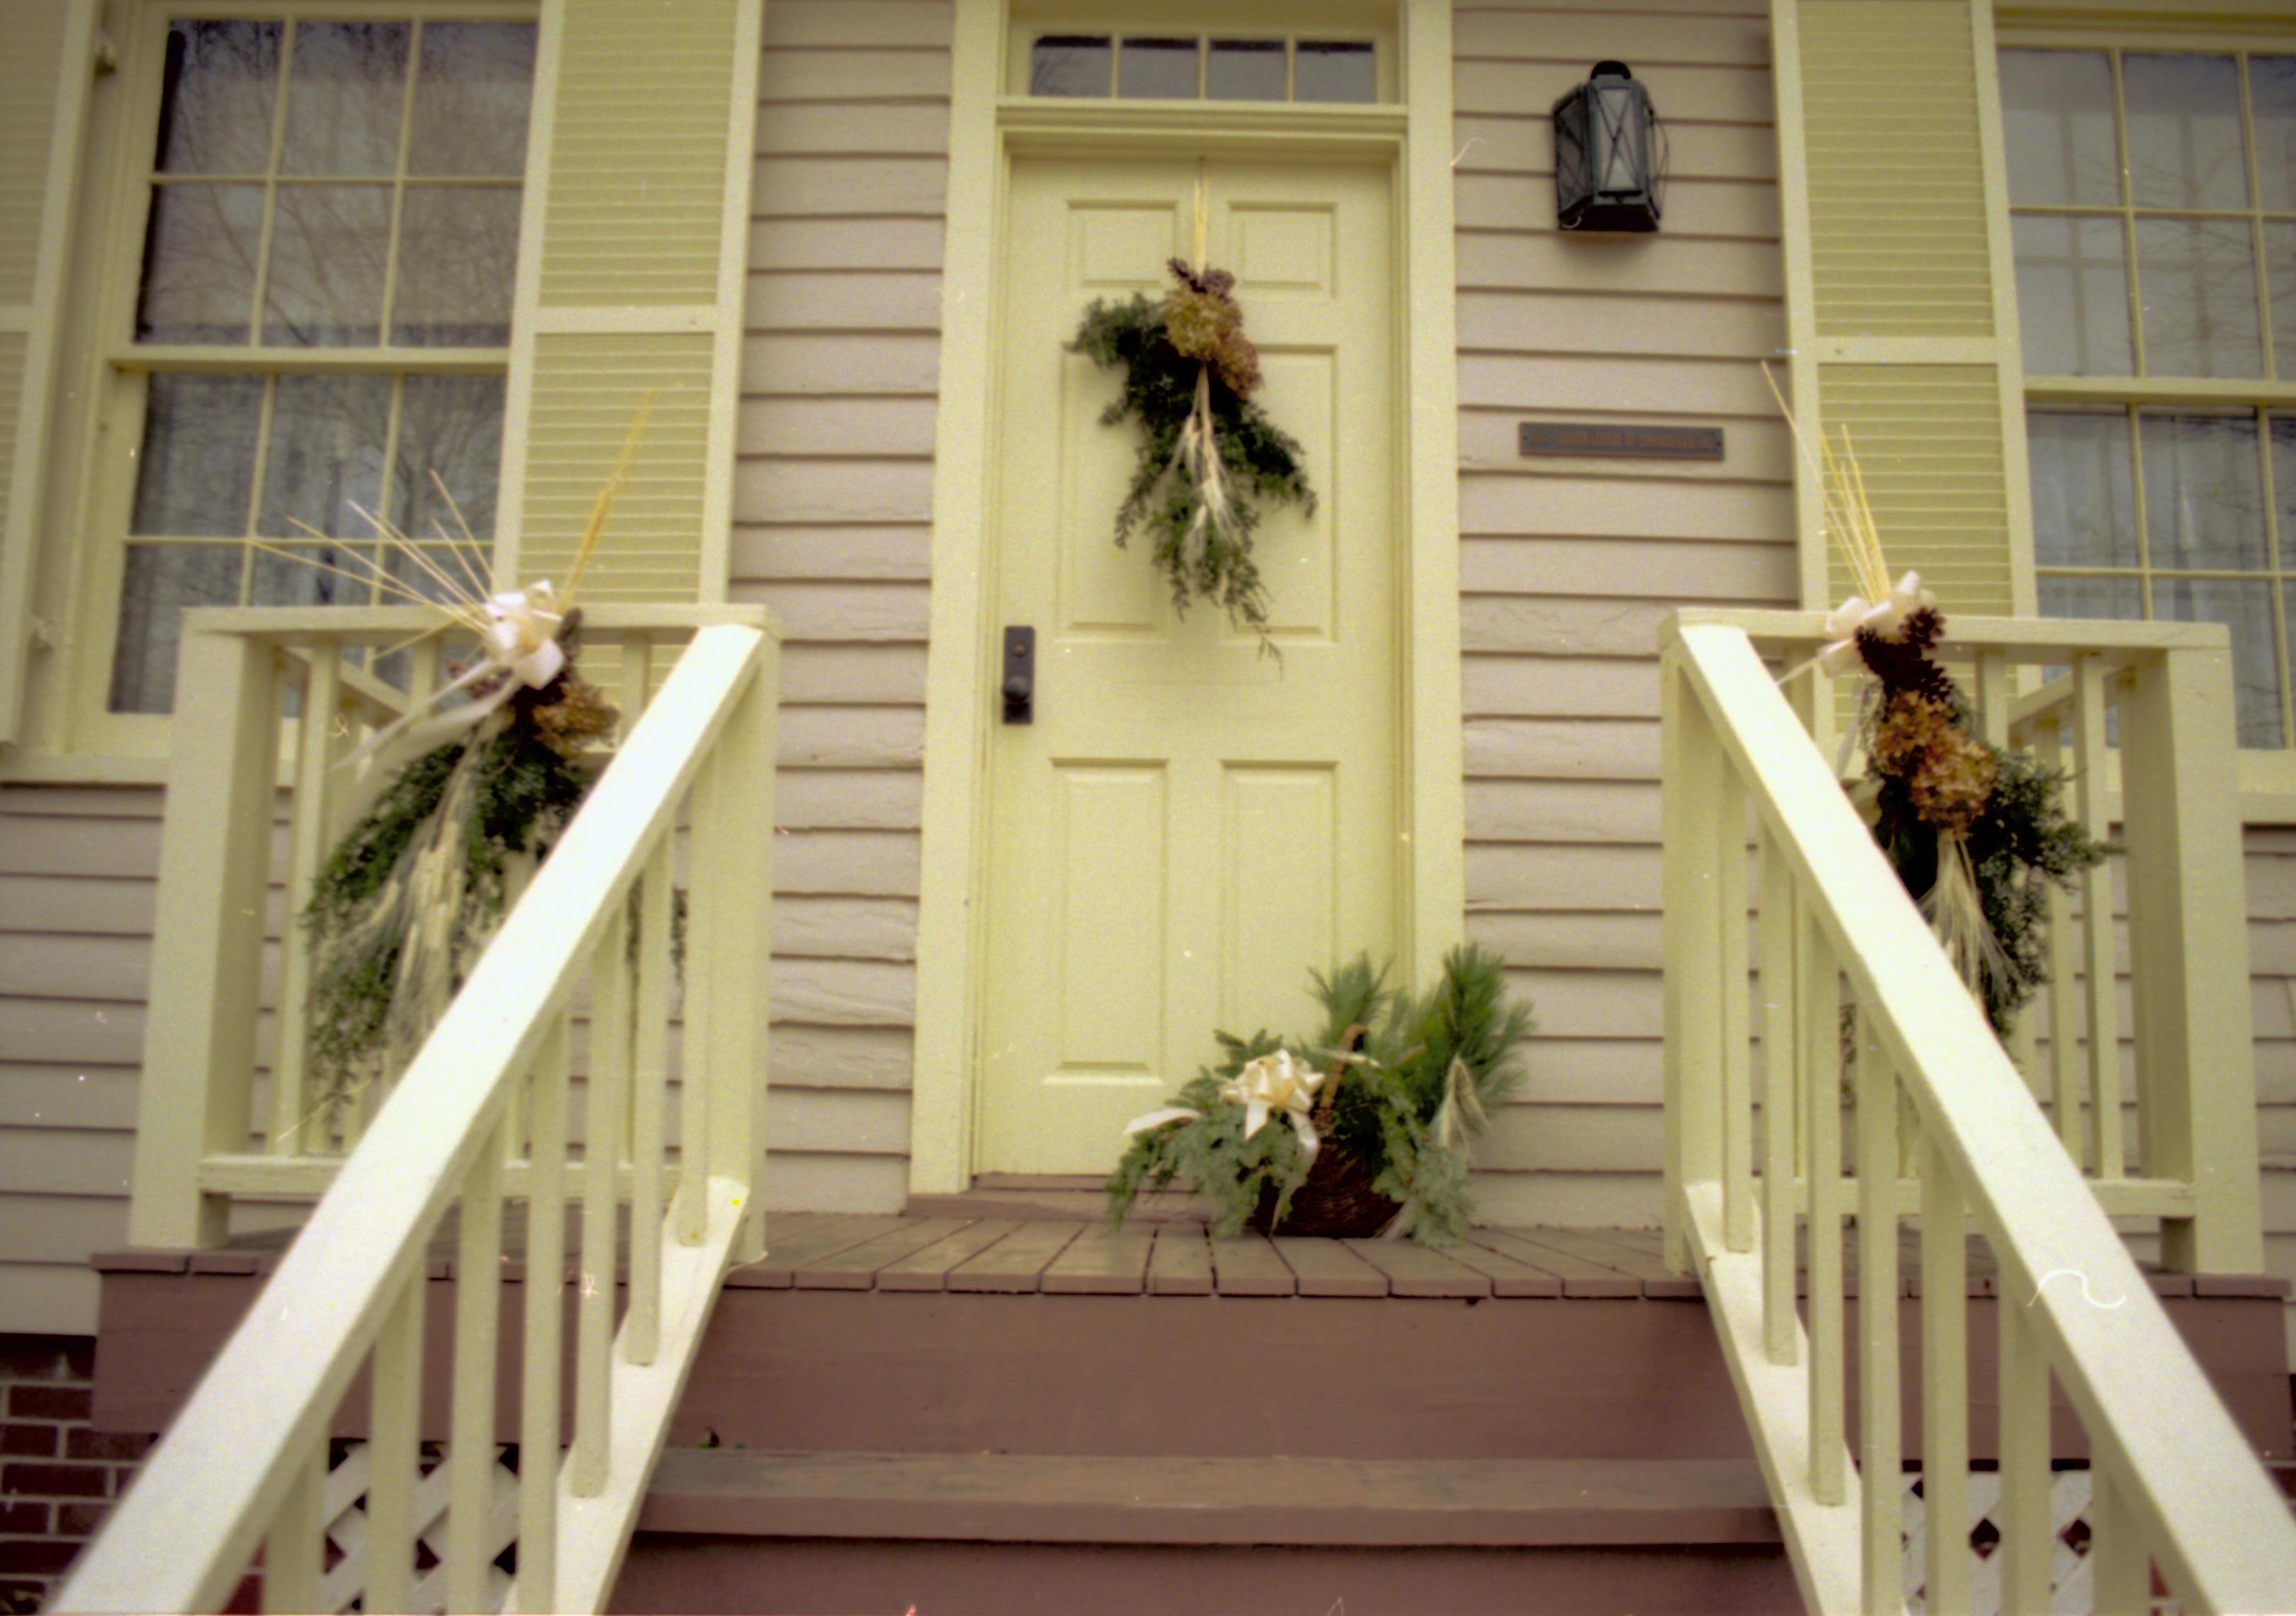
(1610, 154)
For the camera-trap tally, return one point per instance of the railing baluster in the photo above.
(1779, 1062)
(635, 685)
(309, 838)
(291, 1550)
(2120, 1571)
(1945, 1385)
(1880, 1441)
(650, 1093)
(1819, 1006)
(690, 1210)
(1737, 1079)
(2023, 1449)
(741, 938)
(1690, 918)
(602, 1156)
(540, 1426)
(2107, 1158)
(394, 1439)
(2065, 986)
(471, 1422)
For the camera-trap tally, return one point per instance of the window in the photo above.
(1190, 67)
(2152, 199)
(321, 319)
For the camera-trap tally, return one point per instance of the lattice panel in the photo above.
(2071, 1591)
(345, 1511)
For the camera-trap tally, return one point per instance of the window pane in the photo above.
(2197, 278)
(197, 467)
(160, 581)
(471, 89)
(2272, 93)
(322, 575)
(215, 110)
(1157, 69)
(1332, 70)
(457, 258)
(2072, 295)
(199, 264)
(2203, 492)
(2280, 270)
(2283, 484)
(2056, 114)
(1245, 69)
(326, 456)
(1069, 64)
(2245, 608)
(450, 426)
(2084, 492)
(329, 248)
(346, 90)
(2113, 599)
(2184, 147)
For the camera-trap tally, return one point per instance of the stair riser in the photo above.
(1217, 1376)
(822, 1577)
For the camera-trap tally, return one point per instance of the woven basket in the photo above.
(1336, 1201)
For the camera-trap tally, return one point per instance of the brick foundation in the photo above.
(58, 1473)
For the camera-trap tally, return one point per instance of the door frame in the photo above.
(986, 131)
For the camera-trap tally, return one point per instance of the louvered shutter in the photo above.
(1900, 301)
(44, 67)
(630, 284)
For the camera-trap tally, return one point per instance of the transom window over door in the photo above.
(2152, 196)
(322, 315)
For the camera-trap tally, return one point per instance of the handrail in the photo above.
(2174, 1484)
(245, 1460)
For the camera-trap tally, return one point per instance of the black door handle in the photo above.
(1019, 674)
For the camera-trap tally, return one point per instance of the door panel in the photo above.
(1188, 825)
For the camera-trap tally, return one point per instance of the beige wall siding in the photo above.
(76, 872)
(1567, 566)
(832, 528)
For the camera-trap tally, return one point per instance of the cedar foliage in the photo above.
(1261, 460)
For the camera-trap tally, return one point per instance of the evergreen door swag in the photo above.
(1209, 455)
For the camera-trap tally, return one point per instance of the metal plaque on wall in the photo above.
(1620, 441)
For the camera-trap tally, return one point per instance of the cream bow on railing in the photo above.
(1884, 617)
(1278, 1084)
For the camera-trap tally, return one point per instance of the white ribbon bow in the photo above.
(1884, 617)
(1279, 1084)
(523, 634)
(520, 639)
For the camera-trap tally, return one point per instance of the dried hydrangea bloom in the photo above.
(1947, 771)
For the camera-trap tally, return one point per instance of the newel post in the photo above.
(742, 941)
(207, 963)
(1690, 769)
(2188, 954)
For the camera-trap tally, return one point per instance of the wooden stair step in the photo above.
(1129, 1499)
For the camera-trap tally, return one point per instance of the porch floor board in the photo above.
(1053, 1257)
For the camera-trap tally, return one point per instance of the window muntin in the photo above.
(2154, 219)
(1181, 66)
(317, 183)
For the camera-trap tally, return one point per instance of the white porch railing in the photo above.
(1941, 1107)
(481, 1116)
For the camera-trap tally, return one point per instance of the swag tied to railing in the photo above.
(599, 1070)
(1847, 1072)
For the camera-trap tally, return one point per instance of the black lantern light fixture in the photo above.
(1610, 154)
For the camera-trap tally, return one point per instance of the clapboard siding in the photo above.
(1568, 565)
(832, 528)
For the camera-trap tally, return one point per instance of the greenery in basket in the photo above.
(1422, 1083)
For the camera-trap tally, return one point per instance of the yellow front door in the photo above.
(1187, 827)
